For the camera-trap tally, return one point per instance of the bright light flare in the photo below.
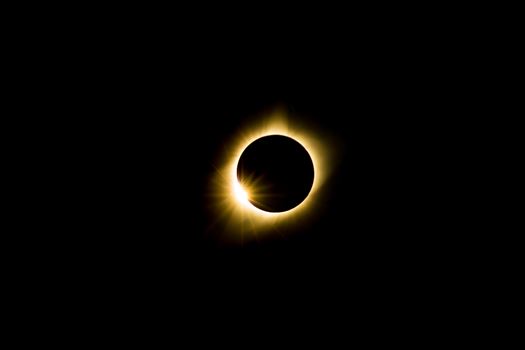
(240, 193)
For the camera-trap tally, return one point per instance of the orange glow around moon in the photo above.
(235, 217)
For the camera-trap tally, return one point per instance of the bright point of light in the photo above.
(240, 193)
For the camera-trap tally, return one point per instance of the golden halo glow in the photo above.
(241, 220)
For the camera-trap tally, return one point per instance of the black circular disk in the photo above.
(277, 171)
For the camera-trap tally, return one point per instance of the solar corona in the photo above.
(269, 177)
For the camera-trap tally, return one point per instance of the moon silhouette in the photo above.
(277, 172)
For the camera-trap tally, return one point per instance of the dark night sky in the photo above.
(140, 110)
(161, 142)
(155, 119)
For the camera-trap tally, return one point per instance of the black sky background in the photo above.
(150, 110)
(126, 111)
(161, 126)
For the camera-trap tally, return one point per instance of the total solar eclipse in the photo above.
(277, 172)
